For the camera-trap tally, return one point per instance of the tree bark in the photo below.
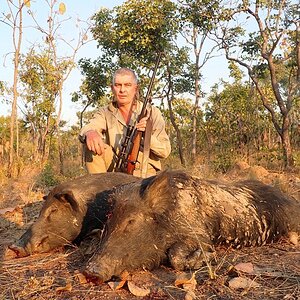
(178, 134)
(17, 41)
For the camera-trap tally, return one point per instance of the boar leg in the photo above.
(186, 256)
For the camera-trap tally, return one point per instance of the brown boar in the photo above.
(176, 216)
(71, 210)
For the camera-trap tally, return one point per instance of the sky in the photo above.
(213, 71)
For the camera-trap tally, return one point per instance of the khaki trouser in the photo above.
(97, 163)
(103, 163)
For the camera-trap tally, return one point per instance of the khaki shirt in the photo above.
(109, 122)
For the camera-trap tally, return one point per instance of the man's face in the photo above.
(124, 89)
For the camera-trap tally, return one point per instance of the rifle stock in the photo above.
(127, 159)
(133, 155)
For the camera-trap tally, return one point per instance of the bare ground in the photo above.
(268, 272)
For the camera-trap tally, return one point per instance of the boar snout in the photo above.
(98, 272)
(21, 247)
(19, 250)
(29, 244)
(93, 274)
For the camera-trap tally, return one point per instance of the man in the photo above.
(105, 133)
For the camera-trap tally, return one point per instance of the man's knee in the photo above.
(97, 163)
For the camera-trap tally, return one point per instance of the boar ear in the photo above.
(158, 192)
(68, 197)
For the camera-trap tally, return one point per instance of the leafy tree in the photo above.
(41, 80)
(14, 19)
(94, 86)
(4, 136)
(270, 55)
(137, 29)
(198, 19)
(233, 122)
(64, 64)
(178, 81)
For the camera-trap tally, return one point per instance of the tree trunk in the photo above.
(197, 97)
(17, 46)
(286, 144)
(178, 134)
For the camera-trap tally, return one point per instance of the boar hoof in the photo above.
(182, 258)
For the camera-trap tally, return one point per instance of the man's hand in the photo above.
(141, 125)
(94, 142)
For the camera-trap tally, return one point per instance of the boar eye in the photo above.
(131, 221)
(43, 240)
(53, 210)
(128, 225)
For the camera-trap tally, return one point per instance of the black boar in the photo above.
(71, 210)
(179, 217)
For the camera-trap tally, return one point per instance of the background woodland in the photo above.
(253, 117)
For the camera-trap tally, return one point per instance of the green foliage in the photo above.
(234, 119)
(97, 76)
(42, 84)
(233, 123)
(252, 46)
(139, 28)
(202, 14)
(182, 71)
(42, 78)
(235, 72)
(4, 128)
(47, 178)
(2, 87)
(223, 162)
(267, 48)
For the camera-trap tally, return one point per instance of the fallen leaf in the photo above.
(136, 290)
(188, 282)
(13, 214)
(293, 237)
(245, 267)
(116, 285)
(81, 277)
(185, 279)
(190, 295)
(125, 275)
(67, 288)
(242, 283)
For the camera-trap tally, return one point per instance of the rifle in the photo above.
(130, 148)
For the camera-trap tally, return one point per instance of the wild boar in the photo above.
(71, 210)
(181, 218)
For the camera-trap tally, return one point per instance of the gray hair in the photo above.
(125, 71)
